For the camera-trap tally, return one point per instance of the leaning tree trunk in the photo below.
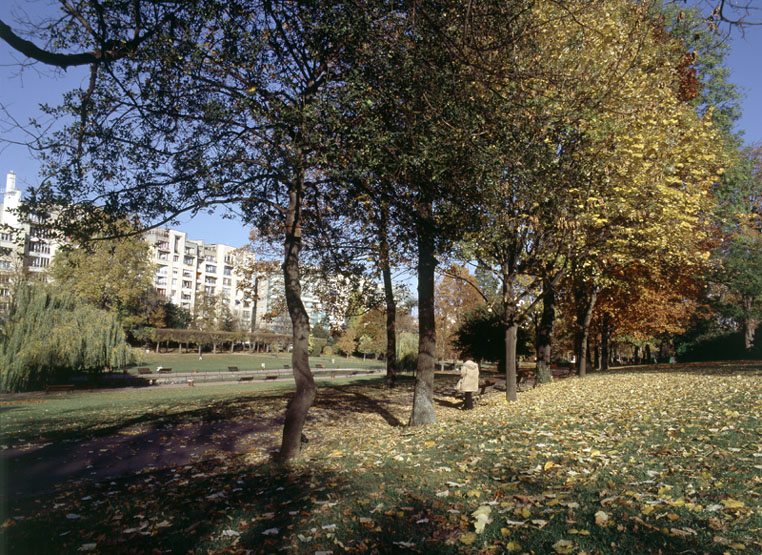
(305, 394)
(423, 396)
(584, 316)
(545, 333)
(391, 309)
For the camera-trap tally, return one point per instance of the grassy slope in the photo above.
(627, 462)
(188, 362)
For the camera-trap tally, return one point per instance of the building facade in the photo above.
(186, 269)
(24, 247)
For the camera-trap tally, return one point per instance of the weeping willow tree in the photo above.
(50, 334)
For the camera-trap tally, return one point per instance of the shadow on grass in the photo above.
(207, 507)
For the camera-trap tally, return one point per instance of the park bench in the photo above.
(271, 377)
(164, 370)
(144, 370)
(246, 378)
(59, 387)
(320, 365)
(286, 366)
(232, 368)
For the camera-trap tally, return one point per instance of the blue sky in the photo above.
(21, 92)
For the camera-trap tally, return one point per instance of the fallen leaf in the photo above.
(563, 546)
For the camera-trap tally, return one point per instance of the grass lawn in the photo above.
(640, 461)
(189, 362)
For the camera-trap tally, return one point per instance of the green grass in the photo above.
(189, 362)
(656, 461)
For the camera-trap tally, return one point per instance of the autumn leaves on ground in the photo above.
(662, 459)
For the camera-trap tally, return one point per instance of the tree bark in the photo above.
(606, 341)
(584, 315)
(391, 309)
(648, 353)
(423, 396)
(545, 333)
(305, 384)
(511, 333)
(749, 325)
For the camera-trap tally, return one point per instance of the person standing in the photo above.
(469, 381)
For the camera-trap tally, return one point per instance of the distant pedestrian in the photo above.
(469, 381)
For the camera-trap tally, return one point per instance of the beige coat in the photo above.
(469, 377)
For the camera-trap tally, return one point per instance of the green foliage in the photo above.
(111, 274)
(317, 344)
(51, 334)
(482, 335)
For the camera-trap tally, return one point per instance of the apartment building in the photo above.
(24, 247)
(185, 268)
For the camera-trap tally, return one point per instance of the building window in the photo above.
(226, 292)
(211, 269)
(175, 258)
(226, 281)
(164, 245)
(186, 296)
(228, 271)
(5, 265)
(39, 262)
(174, 282)
(161, 281)
(162, 292)
(189, 260)
(162, 256)
(6, 236)
(162, 270)
(36, 231)
(187, 284)
(209, 290)
(210, 281)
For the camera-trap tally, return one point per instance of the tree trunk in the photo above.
(157, 347)
(584, 315)
(423, 396)
(305, 384)
(749, 324)
(511, 334)
(545, 333)
(391, 304)
(648, 353)
(636, 355)
(605, 341)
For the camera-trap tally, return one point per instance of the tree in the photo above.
(456, 295)
(347, 342)
(189, 106)
(50, 334)
(112, 275)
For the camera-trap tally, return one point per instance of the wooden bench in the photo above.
(286, 366)
(164, 370)
(232, 368)
(271, 377)
(144, 370)
(246, 378)
(59, 387)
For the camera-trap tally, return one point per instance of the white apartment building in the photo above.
(24, 247)
(185, 267)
